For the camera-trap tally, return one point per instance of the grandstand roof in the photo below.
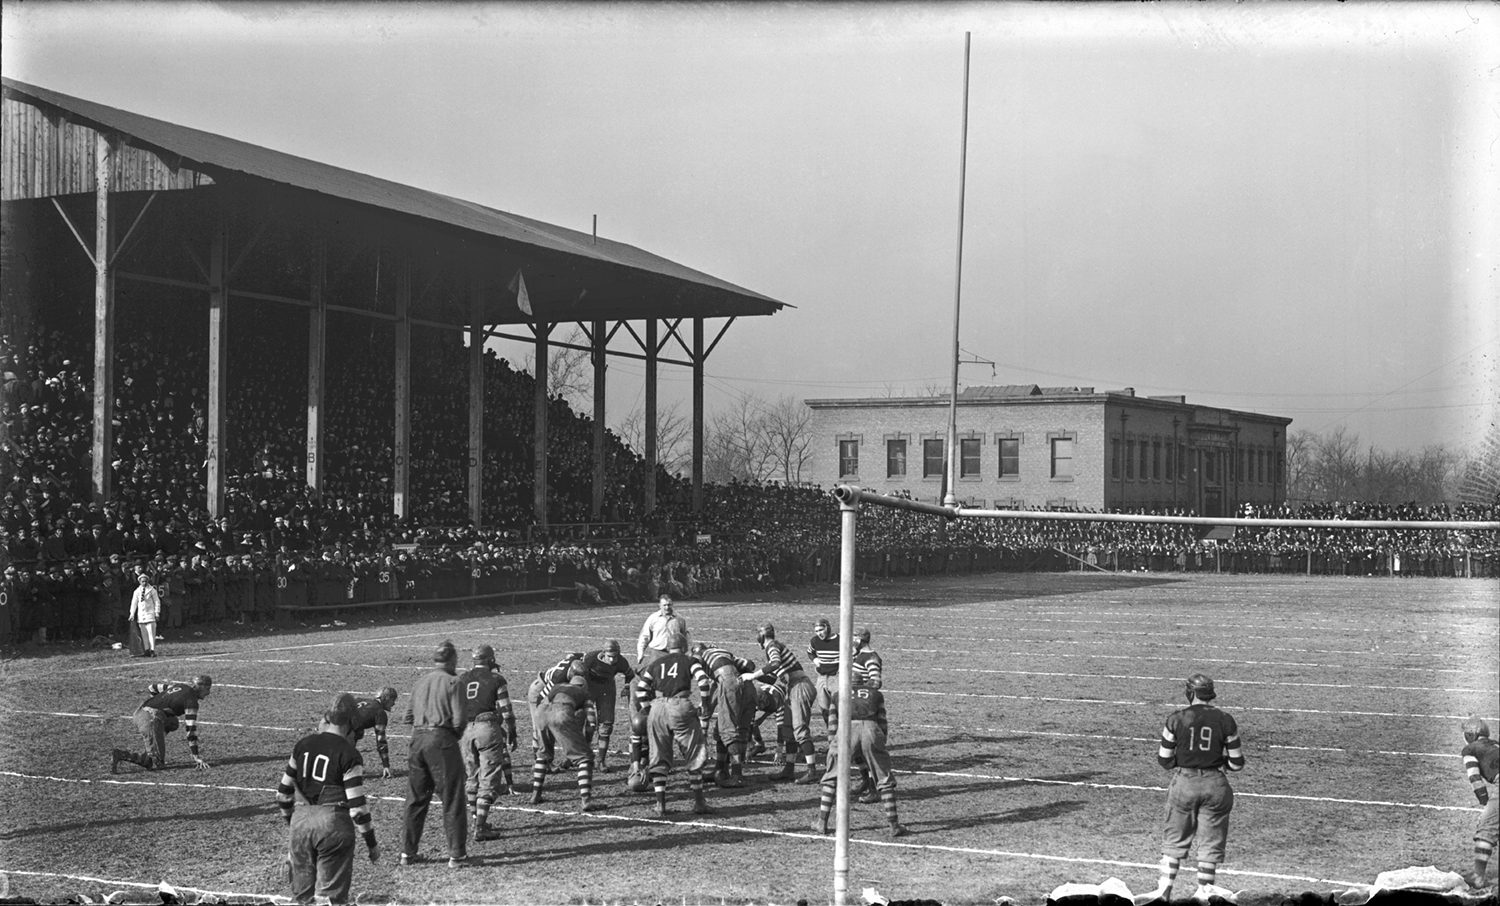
(621, 280)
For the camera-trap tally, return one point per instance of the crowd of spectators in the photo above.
(69, 562)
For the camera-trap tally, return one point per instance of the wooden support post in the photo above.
(600, 368)
(476, 399)
(401, 480)
(650, 418)
(317, 346)
(218, 356)
(697, 415)
(104, 323)
(539, 439)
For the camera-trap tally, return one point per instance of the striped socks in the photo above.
(1206, 872)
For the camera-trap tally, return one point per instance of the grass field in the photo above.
(1024, 710)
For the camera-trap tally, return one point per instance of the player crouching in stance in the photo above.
(157, 716)
(326, 770)
(560, 724)
(867, 729)
(485, 749)
(1481, 763)
(733, 711)
(1199, 744)
(667, 684)
(374, 714)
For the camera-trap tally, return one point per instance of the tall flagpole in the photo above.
(951, 497)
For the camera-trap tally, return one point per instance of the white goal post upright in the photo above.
(850, 498)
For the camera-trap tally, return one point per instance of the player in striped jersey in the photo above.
(733, 711)
(770, 701)
(782, 664)
(1199, 744)
(560, 719)
(1481, 764)
(867, 666)
(547, 680)
(823, 650)
(485, 749)
(867, 744)
(326, 770)
(374, 714)
(157, 716)
(668, 684)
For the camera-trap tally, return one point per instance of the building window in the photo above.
(1130, 459)
(1062, 457)
(1114, 457)
(1260, 459)
(932, 458)
(1241, 470)
(1171, 461)
(1280, 466)
(895, 459)
(1145, 459)
(1210, 465)
(1010, 457)
(1156, 460)
(848, 459)
(968, 457)
(1182, 462)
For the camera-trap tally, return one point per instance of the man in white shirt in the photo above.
(658, 627)
(145, 607)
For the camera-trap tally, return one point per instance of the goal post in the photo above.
(850, 499)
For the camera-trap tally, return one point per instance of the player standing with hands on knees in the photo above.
(327, 771)
(1481, 763)
(1199, 744)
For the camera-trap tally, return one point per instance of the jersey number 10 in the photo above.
(319, 771)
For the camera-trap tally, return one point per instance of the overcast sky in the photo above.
(1279, 208)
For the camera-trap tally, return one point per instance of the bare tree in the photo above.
(1300, 447)
(787, 425)
(737, 446)
(570, 372)
(674, 437)
(1336, 469)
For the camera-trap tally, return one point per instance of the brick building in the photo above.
(1030, 446)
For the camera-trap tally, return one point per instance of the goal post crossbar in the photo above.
(850, 498)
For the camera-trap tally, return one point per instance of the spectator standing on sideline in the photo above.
(158, 715)
(326, 769)
(489, 736)
(1198, 744)
(437, 719)
(145, 608)
(1481, 763)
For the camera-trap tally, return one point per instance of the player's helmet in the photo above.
(638, 721)
(1475, 728)
(766, 631)
(612, 646)
(863, 637)
(752, 665)
(822, 629)
(387, 697)
(676, 642)
(445, 653)
(699, 647)
(1202, 686)
(205, 684)
(484, 654)
(575, 669)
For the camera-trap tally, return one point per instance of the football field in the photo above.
(1024, 712)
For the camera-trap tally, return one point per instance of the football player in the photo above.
(1199, 744)
(158, 715)
(327, 770)
(867, 666)
(373, 714)
(1481, 763)
(485, 749)
(639, 778)
(823, 652)
(599, 669)
(867, 735)
(560, 719)
(782, 664)
(668, 683)
(733, 711)
(546, 680)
